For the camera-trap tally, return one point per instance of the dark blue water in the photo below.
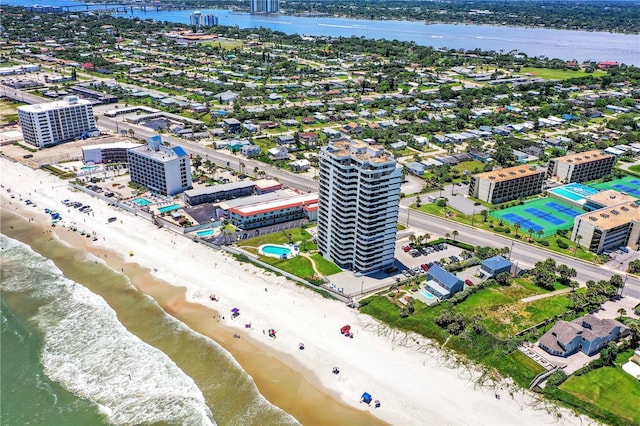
(567, 45)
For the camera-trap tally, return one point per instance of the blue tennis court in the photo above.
(542, 216)
(524, 223)
(628, 184)
(547, 217)
(564, 209)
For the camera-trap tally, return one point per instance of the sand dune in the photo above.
(410, 378)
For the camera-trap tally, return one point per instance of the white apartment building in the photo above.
(52, 123)
(581, 167)
(359, 195)
(162, 169)
(499, 186)
(608, 228)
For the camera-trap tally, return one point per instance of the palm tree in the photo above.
(455, 234)
(578, 238)
(621, 313)
(446, 236)
(517, 226)
(412, 239)
(255, 171)
(539, 233)
(131, 132)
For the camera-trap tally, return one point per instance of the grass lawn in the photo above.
(298, 266)
(610, 389)
(296, 234)
(502, 312)
(551, 74)
(526, 362)
(324, 266)
(635, 169)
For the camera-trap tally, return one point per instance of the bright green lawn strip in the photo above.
(610, 389)
(298, 266)
(552, 74)
(542, 309)
(635, 168)
(526, 362)
(297, 235)
(324, 266)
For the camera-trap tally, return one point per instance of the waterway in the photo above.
(551, 43)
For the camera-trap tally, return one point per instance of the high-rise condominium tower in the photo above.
(359, 195)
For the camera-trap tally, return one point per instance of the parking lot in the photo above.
(410, 261)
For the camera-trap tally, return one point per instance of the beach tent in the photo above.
(366, 398)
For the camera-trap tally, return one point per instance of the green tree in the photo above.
(503, 278)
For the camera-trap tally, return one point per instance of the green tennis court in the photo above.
(547, 215)
(629, 185)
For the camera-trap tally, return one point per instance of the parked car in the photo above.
(406, 249)
(469, 282)
(425, 267)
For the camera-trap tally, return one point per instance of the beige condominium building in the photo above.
(358, 202)
(581, 167)
(608, 228)
(499, 186)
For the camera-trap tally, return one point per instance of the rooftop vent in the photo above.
(604, 215)
(593, 218)
(624, 208)
(615, 212)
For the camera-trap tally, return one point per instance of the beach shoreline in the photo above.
(403, 371)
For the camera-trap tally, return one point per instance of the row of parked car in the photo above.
(423, 250)
(75, 204)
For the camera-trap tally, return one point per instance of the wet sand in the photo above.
(278, 382)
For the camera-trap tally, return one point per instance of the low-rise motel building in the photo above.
(608, 228)
(499, 186)
(581, 167)
(277, 211)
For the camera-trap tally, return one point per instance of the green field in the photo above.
(550, 74)
(609, 389)
(324, 266)
(502, 311)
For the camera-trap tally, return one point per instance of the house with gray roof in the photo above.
(587, 334)
(441, 283)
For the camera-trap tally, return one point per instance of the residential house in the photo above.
(300, 165)
(310, 139)
(587, 334)
(285, 140)
(279, 153)
(232, 125)
(251, 151)
(441, 283)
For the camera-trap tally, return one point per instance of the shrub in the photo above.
(544, 243)
(561, 244)
(557, 378)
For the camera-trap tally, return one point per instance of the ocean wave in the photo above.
(89, 352)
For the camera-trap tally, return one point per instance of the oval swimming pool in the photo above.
(276, 250)
(426, 294)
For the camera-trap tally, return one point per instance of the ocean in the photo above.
(81, 345)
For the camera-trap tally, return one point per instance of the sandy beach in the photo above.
(414, 382)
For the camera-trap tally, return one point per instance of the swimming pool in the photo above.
(170, 208)
(89, 168)
(426, 294)
(278, 251)
(142, 201)
(574, 191)
(205, 233)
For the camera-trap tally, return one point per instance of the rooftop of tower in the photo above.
(361, 150)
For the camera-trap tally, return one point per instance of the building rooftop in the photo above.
(162, 154)
(589, 327)
(610, 217)
(610, 197)
(496, 262)
(257, 199)
(50, 106)
(510, 173)
(444, 278)
(297, 201)
(218, 188)
(114, 145)
(583, 157)
(359, 149)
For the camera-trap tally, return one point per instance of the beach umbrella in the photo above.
(235, 310)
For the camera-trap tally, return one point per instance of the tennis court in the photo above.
(546, 214)
(628, 184)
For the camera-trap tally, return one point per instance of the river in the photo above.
(551, 43)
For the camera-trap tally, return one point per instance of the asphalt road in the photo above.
(524, 255)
